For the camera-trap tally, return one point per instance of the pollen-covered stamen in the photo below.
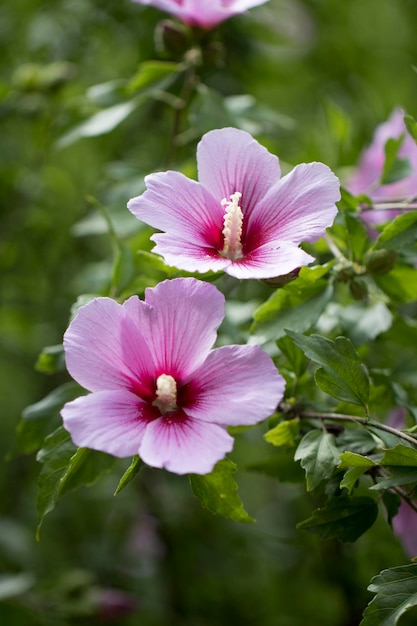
(166, 394)
(232, 227)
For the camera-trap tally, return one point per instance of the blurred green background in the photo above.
(311, 79)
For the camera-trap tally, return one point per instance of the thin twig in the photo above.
(340, 417)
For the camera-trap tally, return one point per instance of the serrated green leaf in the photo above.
(217, 492)
(344, 377)
(294, 355)
(401, 455)
(398, 476)
(351, 477)
(131, 473)
(342, 518)
(396, 593)
(352, 459)
(398, 232)
(284, 433)
(319, 456)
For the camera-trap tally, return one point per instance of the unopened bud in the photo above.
(358, 288)
(379, 262)
(172, 39)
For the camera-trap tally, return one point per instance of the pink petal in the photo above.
(203, 13)
(109, 421)
(102, 350)
(184, 446)
(369, 172)
(231, 160)
(270, 260)
(179, 323)
(236, 385)
(176, 204)
(186, 255)
(298, 208)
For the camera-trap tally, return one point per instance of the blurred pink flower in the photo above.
(203, 13)
(158, 389)
(369, 172)
(404, 525)
(240, 217)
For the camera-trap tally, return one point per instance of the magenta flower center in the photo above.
(232, 227)
(166, 394)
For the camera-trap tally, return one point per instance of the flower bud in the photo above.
(172, 39)
(358, 288)
(379, 262)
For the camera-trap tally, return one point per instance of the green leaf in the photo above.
(85, 468)
(151, 72)
(100, 123)
(208, 111)
(351, 477)
(400, 455)
(51, 360)
(284, 433)
(398, 232)
(217, 492)
(55, 456)
(65, 468)
(342, 375)
(342, 518)
(395, 167)
(295, 357)
(351, 459)
(131, 473)
(318, 455)
(12, 585)
(396, 593)
(37, 418)
(399, 476)
(296, 306)
(411, 126)
(400, 283)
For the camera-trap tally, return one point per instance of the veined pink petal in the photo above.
(181, 206)
(203, 13)
(109, 421)
(184, 446)
(272, 259)
(95, 353)
(189, 256)
(179, 323)
(236, 385)
(298, 208)
(231, 160)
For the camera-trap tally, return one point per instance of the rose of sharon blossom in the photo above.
(367, 177)
(203, 13)
(158, 388)
(240, 217)
(404, 525)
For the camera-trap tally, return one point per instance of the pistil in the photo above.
(232, 227)
(166, 394)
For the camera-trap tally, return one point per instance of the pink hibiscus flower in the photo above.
(240, 217)
(158, 389)
(203, 13)
(367, 177)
